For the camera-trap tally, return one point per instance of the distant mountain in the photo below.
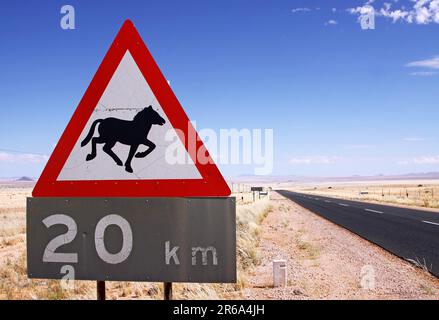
(25, 179)
(301, 179)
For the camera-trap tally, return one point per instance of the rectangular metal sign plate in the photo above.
(132, 239)
(256, 189)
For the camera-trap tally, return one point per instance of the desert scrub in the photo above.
(14, 284)
(248, 229)
(11, 241)
(311, 251)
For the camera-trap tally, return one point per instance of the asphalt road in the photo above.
(407, 233)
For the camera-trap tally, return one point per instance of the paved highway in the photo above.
(407, 233)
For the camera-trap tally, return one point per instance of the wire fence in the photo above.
(416, 194)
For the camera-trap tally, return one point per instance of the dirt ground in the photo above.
(326, 261)
(12, 220)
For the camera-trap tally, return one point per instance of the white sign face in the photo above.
(112, 128)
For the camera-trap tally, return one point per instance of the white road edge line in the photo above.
(327, 201)
(374, 211)
(344, 204)
(429, 222)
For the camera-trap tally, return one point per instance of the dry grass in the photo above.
(12, 215)
(11, 240)
(14, 283)
(13, 198)
(311, 251)
(249, 218)
(422, 264)
(414, 193)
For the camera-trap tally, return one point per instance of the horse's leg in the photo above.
(107, 149)
(133, 150)
(151, 147)
(92, 155)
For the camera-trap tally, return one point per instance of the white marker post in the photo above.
(279, 273)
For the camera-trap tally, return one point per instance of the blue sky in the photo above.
(341, 100)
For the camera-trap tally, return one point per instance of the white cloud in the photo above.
(426, 160)
(421, 160)
(414, 139)
(421, 11)
(395, 15)
(423, 73)
(331, 22)
(310, 160)
(295, 10)
(21, 158)
(432, 63)
(361, 10)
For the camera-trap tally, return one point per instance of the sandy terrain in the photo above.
(326, 261)
(12, 219)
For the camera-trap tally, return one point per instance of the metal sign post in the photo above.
(100, 290)
(167, 290)
(258, 190)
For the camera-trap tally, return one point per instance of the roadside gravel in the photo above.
(326, 261)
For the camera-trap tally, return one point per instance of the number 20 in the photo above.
(113, 258)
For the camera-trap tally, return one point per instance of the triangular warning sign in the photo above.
(129, 136)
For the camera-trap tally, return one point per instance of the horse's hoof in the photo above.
(90, 157)
(128, 169)
(140, 155)
(119, 163)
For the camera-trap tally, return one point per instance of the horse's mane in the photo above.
(139, 114)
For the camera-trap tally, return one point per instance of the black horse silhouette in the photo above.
(132, 133)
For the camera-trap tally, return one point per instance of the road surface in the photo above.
(408, 233)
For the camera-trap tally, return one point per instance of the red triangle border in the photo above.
(212, 183)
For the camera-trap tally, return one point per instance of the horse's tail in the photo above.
(90, 133)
